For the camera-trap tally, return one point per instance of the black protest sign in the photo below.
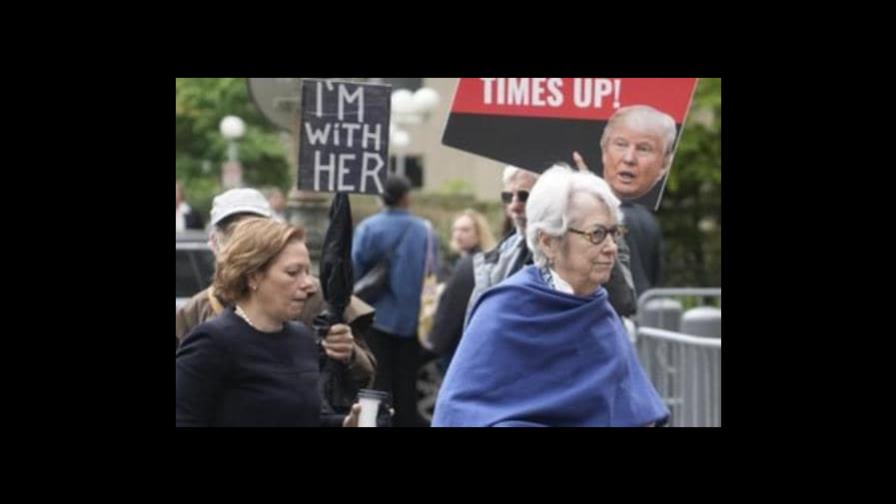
(344, 137)
(534, 122)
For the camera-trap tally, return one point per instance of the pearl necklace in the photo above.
(242, 314)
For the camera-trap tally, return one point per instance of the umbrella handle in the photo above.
(320, 331)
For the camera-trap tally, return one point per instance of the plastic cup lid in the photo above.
(373, 394)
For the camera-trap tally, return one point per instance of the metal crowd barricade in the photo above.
(684, 368)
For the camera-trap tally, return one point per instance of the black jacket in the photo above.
(645, 240)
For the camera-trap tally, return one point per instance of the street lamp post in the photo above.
(232, 128)
(408, 109)
(399, 139)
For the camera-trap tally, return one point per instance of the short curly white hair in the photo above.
(548, 208)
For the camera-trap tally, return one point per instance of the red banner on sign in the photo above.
(592, 98)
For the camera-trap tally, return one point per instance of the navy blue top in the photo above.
(230, 374)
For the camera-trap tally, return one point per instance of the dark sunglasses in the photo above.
(507, 196)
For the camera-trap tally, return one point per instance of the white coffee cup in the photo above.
(370, 406)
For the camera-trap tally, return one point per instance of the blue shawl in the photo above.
(534, 356)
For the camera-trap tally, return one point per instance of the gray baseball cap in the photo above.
(239, 201)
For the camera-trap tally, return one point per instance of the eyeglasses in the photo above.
(507, 196)
(600, 233)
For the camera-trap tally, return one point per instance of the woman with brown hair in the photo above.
(252, 365)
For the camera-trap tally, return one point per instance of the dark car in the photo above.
(194, 265)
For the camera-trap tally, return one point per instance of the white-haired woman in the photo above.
(544, 347)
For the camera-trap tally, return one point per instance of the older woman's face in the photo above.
(582, 264)
(633, 161)
(286, 285)
(463, 234)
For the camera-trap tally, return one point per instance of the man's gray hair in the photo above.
(548, 208)
(644, 118)
(511, 172)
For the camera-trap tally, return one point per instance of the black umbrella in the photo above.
(337, 281)
(336, 276)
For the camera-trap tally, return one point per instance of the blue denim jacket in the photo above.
(397, 312)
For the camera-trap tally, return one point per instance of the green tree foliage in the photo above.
(691, 210)
(200, 150)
